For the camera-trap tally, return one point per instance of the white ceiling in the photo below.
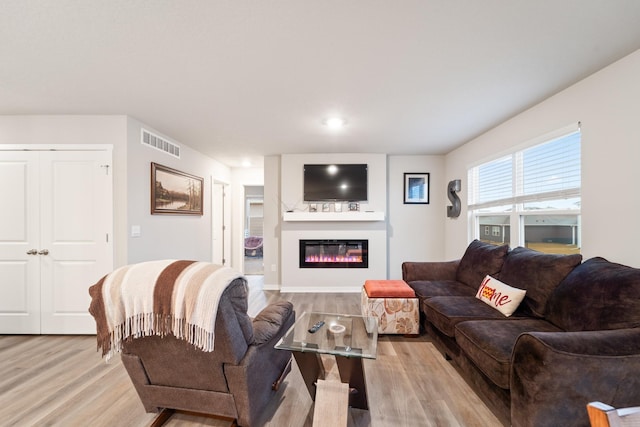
(237, 79)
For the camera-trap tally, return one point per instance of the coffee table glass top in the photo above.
(341, 335)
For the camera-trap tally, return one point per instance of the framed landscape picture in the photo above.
(416, 188)
(174, 192)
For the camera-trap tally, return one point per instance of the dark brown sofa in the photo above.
(575, 338)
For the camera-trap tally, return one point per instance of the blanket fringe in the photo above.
(152, 324)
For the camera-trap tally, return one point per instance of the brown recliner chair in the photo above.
(236, 380)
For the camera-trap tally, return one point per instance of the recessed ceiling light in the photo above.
(335, 123)
(246, 163)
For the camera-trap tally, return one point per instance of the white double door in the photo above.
(56, 220)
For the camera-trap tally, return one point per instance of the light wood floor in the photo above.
(62, 381)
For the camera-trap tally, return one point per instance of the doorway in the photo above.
(254, 230)
(221, 233)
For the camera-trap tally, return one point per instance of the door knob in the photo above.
(44, 252)
(32, 252)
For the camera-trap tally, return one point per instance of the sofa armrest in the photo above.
(446, 270)
(554, 375)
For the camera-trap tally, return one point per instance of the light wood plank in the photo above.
(332, 404)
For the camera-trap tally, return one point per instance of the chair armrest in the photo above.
(270, 322)
(446, 270)
(555, 374)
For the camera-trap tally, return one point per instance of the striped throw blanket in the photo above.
(159, 298)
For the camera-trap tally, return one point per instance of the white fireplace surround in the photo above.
(370, 224)
(296, 279)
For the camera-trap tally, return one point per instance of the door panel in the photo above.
(76, 229)
(55, 238)
(19, 233)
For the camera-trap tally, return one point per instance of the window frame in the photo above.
(513, 206)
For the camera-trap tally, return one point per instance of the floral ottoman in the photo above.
(395, 305)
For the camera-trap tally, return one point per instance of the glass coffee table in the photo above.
(349, 338)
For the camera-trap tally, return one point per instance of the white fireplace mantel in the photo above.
(333, 216)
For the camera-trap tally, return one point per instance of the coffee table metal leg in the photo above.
(352, 372)
(311, 368)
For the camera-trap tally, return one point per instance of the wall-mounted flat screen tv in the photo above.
(335, 182)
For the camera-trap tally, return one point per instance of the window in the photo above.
(530, 197)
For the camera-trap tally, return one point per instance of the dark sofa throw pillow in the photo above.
(538, 273)
(480, 259)
(597, 295)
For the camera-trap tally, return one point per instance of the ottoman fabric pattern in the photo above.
(395, 315)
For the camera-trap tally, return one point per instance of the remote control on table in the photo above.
(315, 327)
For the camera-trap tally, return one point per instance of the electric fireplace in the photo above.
(334, 253)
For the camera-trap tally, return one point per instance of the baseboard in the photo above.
(323, 289)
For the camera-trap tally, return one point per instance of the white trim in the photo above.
(323, 289)
(539, 197)
(333, 216)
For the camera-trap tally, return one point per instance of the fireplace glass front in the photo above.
(334, 253)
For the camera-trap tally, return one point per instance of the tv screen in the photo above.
(335, 182)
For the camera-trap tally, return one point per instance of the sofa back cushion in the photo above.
(597, 295)
(480, 259)
(538, 273)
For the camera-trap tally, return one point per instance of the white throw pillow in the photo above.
(500, 296)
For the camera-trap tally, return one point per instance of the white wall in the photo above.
(167, 236)
(295, 279)
(416, 232)
(162, 236)
(608, 106)
(69, 129)
(292, 177)
(272, 215)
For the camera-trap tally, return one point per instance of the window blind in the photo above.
(548, 170)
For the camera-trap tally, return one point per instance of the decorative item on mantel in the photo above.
(453, 187)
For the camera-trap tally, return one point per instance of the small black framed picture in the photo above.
(416, 188)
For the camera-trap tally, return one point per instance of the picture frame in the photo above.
(354, 206)
(313, 207)
(174, 192)
(416, 188)
(337, 207)
(326, 207)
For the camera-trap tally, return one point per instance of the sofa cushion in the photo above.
(489, 343)
(479, 260)
(388, 289)
(435, 288)
(445, 313)
(500, 296)
(597, 295)
(538, 273)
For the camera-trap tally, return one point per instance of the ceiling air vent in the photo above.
(154, 141)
